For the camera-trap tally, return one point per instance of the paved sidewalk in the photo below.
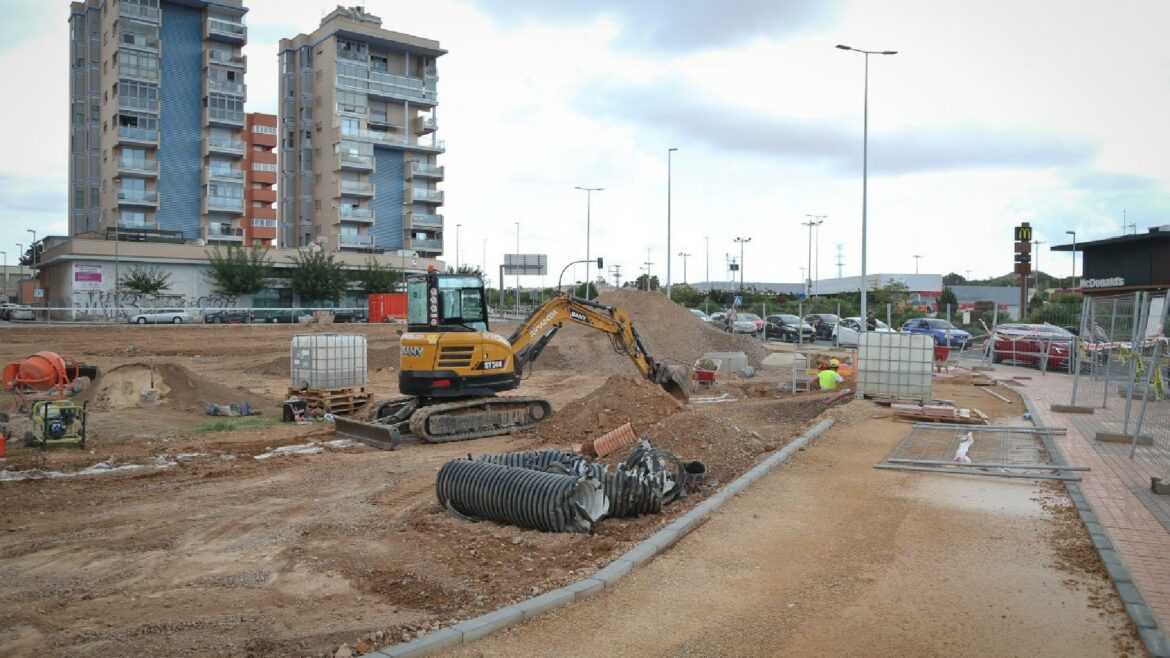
(1117, 488)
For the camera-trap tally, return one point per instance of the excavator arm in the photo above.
(535, 333)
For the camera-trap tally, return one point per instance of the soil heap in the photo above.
(668, 331)
(622, 399)
(130, 386)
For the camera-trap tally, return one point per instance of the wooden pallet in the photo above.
(961, 417)
(334, 400)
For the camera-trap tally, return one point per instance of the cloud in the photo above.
(676, 25)
(684, 113)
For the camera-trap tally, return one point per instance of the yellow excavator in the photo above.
(452, 366)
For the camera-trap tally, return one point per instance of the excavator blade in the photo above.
(675, 380)
(374, 434)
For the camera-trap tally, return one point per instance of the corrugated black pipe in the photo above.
(523, 497)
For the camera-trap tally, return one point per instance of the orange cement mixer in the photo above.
(46, 376)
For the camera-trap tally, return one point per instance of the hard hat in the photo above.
(834, 363)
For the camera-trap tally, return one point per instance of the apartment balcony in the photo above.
(391, 139)
(128, 135)
(392, 86)
(230, 175)
(138, 104)
(228, 204)
(224, 30)
(224, 146)
(148, 198)
(358, 215)
(425, 125)
(138, 72)
(424, 221)
(225, 86)
(425, 170)
(355, 188)
(357, 161)
(224, 233)
(219, 117)
(356, 241)
(138, 12)
(137, 40)
(383, 121)
(424, 245)
(422, 195)
(213, 56)
(138, 167)
(263, 195)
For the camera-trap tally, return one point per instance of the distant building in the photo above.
(259, 178)
(918, 285)
(156, 108)
(1125, 264)
(358, 139)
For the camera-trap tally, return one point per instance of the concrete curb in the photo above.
(470, 630)
(1135, 604)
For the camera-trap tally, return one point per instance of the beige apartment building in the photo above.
(156, 113)
(358, 142)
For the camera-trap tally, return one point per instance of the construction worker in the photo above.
(870, 321)
(830, 378)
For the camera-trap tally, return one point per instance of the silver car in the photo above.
(159, 316)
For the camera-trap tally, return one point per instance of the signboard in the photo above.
(1024, 233)
(738, 300)
(1111, 282)
(87, 277)
(39, 293)
(528, 264)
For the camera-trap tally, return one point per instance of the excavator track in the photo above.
(477, 417)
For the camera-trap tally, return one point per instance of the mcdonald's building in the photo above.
(1124, 264)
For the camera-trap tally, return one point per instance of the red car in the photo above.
(1032, 344)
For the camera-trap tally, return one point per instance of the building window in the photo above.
(263, 166)
(265, 130)
(351, 102)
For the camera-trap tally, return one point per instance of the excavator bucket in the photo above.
(675, 380)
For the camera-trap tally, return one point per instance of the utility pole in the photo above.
(616, 272)
(684, 255)
(916, 259)
(742, 241)
(648, 264)
(840, 261)
(669, 151)
(814, 220)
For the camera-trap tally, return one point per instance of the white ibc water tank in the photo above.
(327, 361)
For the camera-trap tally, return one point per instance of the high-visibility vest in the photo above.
(828, 379)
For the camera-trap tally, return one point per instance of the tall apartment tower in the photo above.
(259, 223)
(358, 138)
(156, 111)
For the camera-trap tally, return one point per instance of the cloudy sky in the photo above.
(991, 113)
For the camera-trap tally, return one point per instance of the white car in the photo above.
(19, 312)
(847, 331)
(159, 316)
(701, 315)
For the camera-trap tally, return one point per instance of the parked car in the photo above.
(823, 324)
(944, 333)
(282, 315)
(701, 315)
(744, 327)
(159, 316)
(789, 327)
(754, 319)
(350, 315)
(228, 315)
(1032, 344)
(847, 331)
(14, 312)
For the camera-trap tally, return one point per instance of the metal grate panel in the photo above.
(1005, 451)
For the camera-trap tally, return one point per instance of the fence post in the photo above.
(1141, 311)
(1086, 309)
(948, 312)
(889, 322)
(799, 323)
(765, 309)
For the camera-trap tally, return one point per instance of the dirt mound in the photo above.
(622, 399)
(129, 386)
(668, 332)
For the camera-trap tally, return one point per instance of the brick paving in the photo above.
(1136, 520)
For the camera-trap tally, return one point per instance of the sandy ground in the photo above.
(222, 554)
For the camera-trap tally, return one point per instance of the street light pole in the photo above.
(517, 268)
(457, 246)
(1073, 283)
(813, 221)
(684, 257)
(1036, 261)
(865, 165)
(916, 258)
(707, 276)
(669, 151)
(33, 247)
(742, 241)
(588, 221)
(5, 291)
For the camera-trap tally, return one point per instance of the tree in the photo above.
(317, 276)
(26, 259)
(467, 269)
(376, 278)
(579, 290)
(145, 281)
(948, 297)
(640, 282)
(953, 279)
(241, 271)
(686, 296)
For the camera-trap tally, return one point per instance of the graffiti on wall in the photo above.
(105, 304)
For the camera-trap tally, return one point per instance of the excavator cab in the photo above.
(448, 351)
